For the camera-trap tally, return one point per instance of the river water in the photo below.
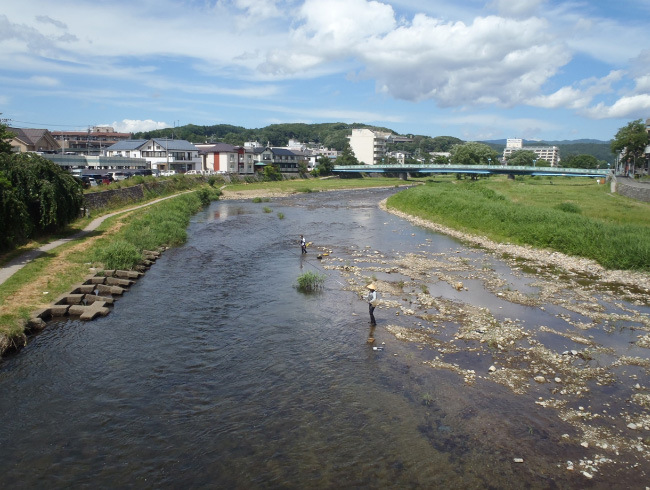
(214, 371)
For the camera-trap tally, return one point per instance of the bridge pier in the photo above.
(404, 175)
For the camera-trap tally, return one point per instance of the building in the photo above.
(223, 157)
(91, 142)
(369, 146)
(160, 153)
(549, 153)
(35, 140)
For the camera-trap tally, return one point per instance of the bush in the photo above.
(569, 207)
(310, 281)
(119, 254)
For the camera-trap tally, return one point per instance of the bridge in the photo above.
(403, 170)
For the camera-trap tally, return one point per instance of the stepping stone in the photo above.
(105, 289)
(90, 312)
(114, 281)
(93, 298)
(69, 299)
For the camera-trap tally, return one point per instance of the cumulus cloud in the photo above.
(491, 61)
(579, 96)
(628, 107)
(136, 125)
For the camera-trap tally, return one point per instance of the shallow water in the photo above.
(213, 371)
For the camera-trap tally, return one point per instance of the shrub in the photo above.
(310, 281)
(569, 207)
(119, 254)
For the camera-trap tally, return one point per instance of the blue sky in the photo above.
(477, 70)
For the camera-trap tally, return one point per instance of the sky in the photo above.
(474, 69)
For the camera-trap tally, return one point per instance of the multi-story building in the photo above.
(160, 153)
(549, 153)
(223, 157)
(91, 142)
(368, 146)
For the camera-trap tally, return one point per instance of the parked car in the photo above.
(167, 173)
(119, 175)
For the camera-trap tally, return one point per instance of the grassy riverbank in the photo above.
(118, 243)
(574, 216)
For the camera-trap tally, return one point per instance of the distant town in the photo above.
(102, 148)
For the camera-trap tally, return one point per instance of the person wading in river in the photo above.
(303, 244)
(372, 302)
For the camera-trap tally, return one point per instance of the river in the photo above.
(214, 371)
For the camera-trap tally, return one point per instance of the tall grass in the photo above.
(310, 282)
(478, 209)
(160, 225)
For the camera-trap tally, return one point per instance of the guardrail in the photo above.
(478, 169)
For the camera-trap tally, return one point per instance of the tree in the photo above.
(36, 196)
(324, 165)
(631, 140)
(347, 157)
(543, 163)
(472, 153)
(522, 158)
(581, 161)
(441, 160)
(272, 172)
(5, 139)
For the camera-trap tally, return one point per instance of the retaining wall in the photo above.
(635, 192)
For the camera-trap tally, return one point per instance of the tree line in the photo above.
(36, 195)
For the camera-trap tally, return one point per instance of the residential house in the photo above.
(223, 157)
(160, 153)
(35, 140)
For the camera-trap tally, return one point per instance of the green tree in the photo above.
(36, 196)
(472, 153)
(324, 166)
(581, 161)
(522, 158)
(441, 160)
(5, 139)
(543, 163)
(272, 172)
(347, 157)
(631, 140)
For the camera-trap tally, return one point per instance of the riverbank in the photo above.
(535, 255)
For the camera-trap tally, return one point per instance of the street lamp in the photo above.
(535, 163)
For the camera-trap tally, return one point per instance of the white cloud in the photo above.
(493, 60)
(578, 98)
(628, 107)
(136, 125)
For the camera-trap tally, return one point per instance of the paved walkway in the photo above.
(21, 261)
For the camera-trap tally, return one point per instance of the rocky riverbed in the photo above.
(592, 383)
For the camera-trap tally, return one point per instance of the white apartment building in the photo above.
(368, 146)
(549, 153)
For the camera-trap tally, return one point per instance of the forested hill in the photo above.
(334, 135)
(330, 135)
(597, 148)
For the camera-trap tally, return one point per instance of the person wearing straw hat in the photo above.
(372, 301)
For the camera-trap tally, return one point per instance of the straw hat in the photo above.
(372, 286)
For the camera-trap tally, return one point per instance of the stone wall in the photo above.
(97, 200)
(640, 193)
